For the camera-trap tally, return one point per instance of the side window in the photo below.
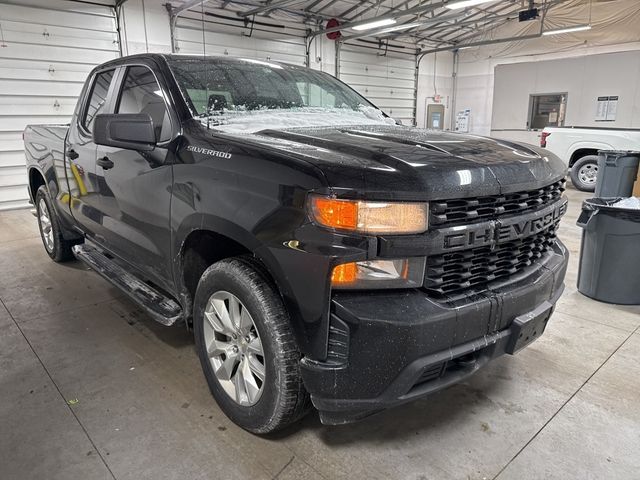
(141, 93)
(97, 98)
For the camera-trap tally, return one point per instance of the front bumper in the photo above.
(388, 348)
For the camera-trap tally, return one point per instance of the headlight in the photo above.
(373, 274)
(369, 217)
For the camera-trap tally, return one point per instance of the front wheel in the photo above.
(584, 173)
(246, 347)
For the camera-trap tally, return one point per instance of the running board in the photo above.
(162, 308)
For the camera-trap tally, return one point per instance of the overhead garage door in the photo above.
(384, 75)
(49, 47)
(226, 34)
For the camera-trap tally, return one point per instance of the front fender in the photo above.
(298, 261)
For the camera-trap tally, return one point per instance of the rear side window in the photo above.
(141, 94)
(97, 98)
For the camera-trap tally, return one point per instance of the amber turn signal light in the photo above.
(344, 274)
(334, 213)
(377, 274)
(369, 217)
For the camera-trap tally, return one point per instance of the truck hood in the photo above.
(389, 161)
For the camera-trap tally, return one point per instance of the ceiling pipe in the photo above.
(547, 6)
(387, 16)
(266, 8)
(309, 7)
(430, 21)
(324, 7)
(480, 44)
(471, 19)
(176, 11)
(422, 53)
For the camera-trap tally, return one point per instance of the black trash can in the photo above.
(610, 253)
(617, 170)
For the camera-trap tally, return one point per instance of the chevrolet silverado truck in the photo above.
(323, 255)
(578, 148)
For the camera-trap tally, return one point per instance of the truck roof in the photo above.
(226, 59)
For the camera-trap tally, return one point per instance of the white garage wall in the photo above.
(53, 44)
(50, 47)
(224, 33)
(476, 87)
(583, 78)
(614, 29)
(435, 78)
(386, 76)
(145, 27)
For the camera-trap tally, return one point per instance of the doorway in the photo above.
(435, 116)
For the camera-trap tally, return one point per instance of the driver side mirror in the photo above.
(133, 131)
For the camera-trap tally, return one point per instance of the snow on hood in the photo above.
(251, 121)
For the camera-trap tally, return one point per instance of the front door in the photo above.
(81, 155)
(435, 116)
(135, 186)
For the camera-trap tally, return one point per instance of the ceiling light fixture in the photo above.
(375, 24)
(577, 28)
(406, 26)
(465, 4)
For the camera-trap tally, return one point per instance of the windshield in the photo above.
(251, 95)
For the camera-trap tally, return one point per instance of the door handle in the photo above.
(72, 154)
(105, 163)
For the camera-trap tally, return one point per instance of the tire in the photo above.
(54, 243)
(281, 398)
(584, 173)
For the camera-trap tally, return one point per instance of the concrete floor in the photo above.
(92, 388)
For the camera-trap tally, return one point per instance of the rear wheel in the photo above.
(584, 173)
(54, 243)
(246, 347)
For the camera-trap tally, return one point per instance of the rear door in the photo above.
(134, 187)
(81, 152)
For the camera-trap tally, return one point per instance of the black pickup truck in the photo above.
(322, 254)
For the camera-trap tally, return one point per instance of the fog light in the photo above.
(376, 274)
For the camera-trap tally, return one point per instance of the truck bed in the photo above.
(44, 146)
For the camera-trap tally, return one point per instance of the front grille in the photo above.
(454, 272)
(465, 210)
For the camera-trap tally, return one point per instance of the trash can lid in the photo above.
(629, 207)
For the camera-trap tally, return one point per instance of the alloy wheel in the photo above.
(44, 218)
(234, 348)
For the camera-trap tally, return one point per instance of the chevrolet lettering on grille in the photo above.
(495, 232)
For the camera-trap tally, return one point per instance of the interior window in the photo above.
(97, 98)
(547, 110)
(141, 94)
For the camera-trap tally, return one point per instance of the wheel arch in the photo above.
(581, 150)
(205, 239)
(36, 180)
